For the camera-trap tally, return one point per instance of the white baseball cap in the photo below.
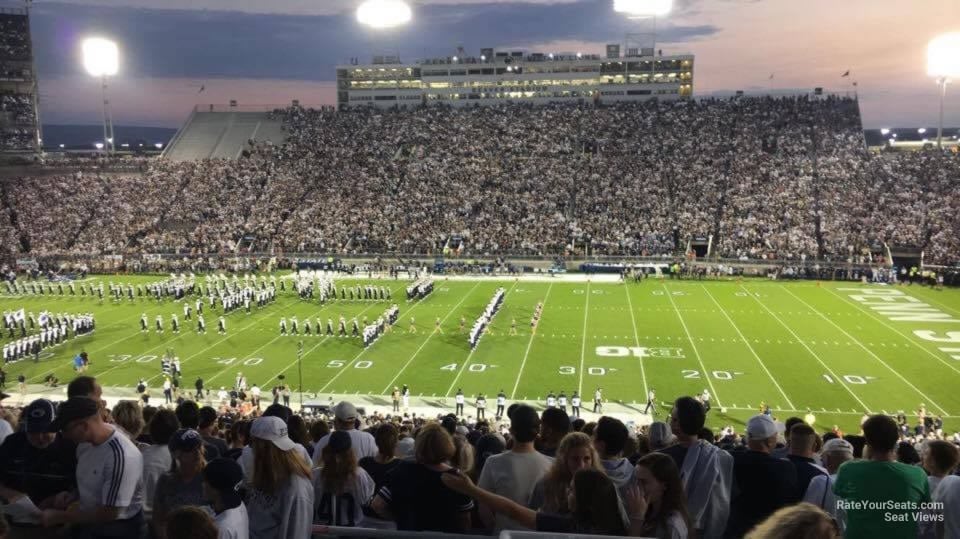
(272, 429)
(761, 427)
(837, 445)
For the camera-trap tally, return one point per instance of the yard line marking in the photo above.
(583, 346)
(752, 351)
(636, 338)
(529, 344)
(895, 330)
(926, 298)
(875, 356)
(696, 352)
(807, 347)
(407, 364)
(472, 350)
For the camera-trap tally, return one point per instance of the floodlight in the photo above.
(384, 13)
(922, 130)
(63, 146)
(884, 131)
(158, 145)
(892, 141)
(483, 58)
(101, 58)
(579, 55)
(98, 145)
(550, 55)
(455, 59)
(943, 56)
(643, 8)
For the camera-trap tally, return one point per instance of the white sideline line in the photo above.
(472, 350)
(583, 346)
(875, 356)
(895, 330)
(529, 344)
(696, 352)
(805, 345)
(424, 343)
(747, 342)
(636, 338)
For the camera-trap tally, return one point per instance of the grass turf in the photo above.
(797, 346)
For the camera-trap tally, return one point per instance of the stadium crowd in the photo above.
(769, 178)
(188, 471)
(17, 111)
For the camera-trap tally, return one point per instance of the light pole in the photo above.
(101, 58)
(943, 62)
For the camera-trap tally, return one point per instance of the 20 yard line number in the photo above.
(691, 374)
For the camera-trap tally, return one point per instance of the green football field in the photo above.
(836, 349)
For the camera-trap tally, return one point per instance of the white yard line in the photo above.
(907, 337)
(583, 346)
(424, 343)
(636, 338)
(466, 362)
(812, 353)
(533, 334)
(747, 342)
(696, 352)
(294, 362)
(867, 350)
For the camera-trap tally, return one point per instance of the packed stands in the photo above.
(18, 86)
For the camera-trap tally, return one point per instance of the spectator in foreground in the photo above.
(191, 522)
(594, 502)
(340, 487)
(183, 484)
(761, 483)
(880, 478)
(223, 487)
(513, 474)
(948, 494)
(803, 440)
(801, 521)
(36, 463)
(109, 474)
(576, 452)
(554, 425)
(280, 501)
(207, 427)
(414, 495)
(385, 460)
(345, 419)
(663, 504)
(157, 459)
(610, 438)
(820, 491)
(128, 416)
(940, 459)
(705, 469)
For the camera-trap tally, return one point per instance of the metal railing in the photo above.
(338, 531)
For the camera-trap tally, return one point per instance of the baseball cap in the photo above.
(39, 415)
(340, 441)
(345, 411)
(761, 427)
(226, 477)
(837, 445)
(73, 409)
(185, 440)
(272, 429)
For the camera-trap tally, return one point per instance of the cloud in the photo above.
(203, 44)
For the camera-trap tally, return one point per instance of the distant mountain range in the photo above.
(83, 137)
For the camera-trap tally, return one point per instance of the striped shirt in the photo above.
(111, 475)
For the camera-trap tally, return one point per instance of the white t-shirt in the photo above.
(349, 505)
(364, 445)
(513, 475)
(232, 523)
(285, 514)
(156, 462)
(111, 475)
(5, 430)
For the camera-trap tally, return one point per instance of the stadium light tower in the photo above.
(384, 13)
(101, 58)
(943, 62)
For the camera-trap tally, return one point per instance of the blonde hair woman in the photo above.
(280, 498)
(574, 453)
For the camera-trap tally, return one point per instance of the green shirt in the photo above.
(881, 499)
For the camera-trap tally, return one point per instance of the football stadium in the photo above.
(489, 290)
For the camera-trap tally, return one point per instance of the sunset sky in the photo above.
(261, 52)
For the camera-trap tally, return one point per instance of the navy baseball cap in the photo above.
(226, 477)
(74, 409)
(39, 416)
(185, 440)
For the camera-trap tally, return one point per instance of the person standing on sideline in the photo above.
(167, 391)
(395, 396)
(481, 407)
(598, 401)
(651, 403)
(501, 403)
(705, 399)
(459, 399)
(199, 385)
(575, 405)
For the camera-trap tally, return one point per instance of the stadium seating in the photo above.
(221, 135)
